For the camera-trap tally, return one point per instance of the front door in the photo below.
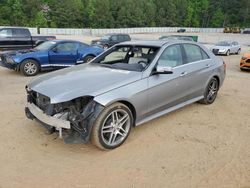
(167, 90)
(64, 54)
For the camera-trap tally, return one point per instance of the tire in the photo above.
(88, 58)
(228, 53)
(238, 52)
(211, 91)
(29, 67)
(107, 133)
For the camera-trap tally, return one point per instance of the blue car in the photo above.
(53, 54)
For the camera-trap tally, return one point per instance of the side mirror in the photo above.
(163, 70)
(54, 50)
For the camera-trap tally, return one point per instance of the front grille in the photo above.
(248, 61)
(215, 51)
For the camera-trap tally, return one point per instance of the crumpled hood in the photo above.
(81, 80)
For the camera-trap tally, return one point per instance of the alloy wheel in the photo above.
(115, 127)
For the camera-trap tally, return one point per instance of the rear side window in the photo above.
(194, 53)
(22, 33)
(66, 47)
(114, 38)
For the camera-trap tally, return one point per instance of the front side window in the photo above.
(114, 38)
(194, 53)
(171, 57)
(66, 47)
(6, 33)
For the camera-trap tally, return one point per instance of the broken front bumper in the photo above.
(33, 112)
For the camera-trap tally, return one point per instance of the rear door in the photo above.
(64, 54)
(198, 66)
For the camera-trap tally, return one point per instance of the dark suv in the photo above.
(109, 40)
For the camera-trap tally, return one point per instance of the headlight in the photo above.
(222, 50)
(10, 60)
(243, 58)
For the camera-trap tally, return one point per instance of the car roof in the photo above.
(156, 43)
(58, 41)
(117, 34)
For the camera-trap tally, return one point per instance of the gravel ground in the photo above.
(196, 146)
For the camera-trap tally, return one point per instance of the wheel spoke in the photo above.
(107, 126)
(122, 134)
(108, 131)
(123, 120)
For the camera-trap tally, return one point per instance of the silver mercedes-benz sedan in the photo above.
(128, 85)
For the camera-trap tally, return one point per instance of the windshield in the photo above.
(45, 46)
(131, 58)
(223, 43)
(105, 37)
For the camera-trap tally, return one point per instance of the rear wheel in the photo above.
(238, 52)
(228, 53)
(211, 91)
(29, 67)
(112, 127)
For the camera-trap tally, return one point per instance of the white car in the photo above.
(226, 48)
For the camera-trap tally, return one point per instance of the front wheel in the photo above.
(29, 67)
(88, 58)
(211, 91)
(238, 52)
(112, 127)
(228, 53)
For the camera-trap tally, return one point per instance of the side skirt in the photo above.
(168, 110)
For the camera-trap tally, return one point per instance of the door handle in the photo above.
(207, 65)
(183, 73)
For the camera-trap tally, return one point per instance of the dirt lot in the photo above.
(197, 146)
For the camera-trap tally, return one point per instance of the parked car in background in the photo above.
(14, 38)
(111, 39)
(246, 31)
(181, 30)
(226, 48)
(128, 85)
(245, 62)
(49, 55)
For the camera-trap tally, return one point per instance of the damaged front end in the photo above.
(73, 119)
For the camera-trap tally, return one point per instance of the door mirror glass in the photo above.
(163, 70)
